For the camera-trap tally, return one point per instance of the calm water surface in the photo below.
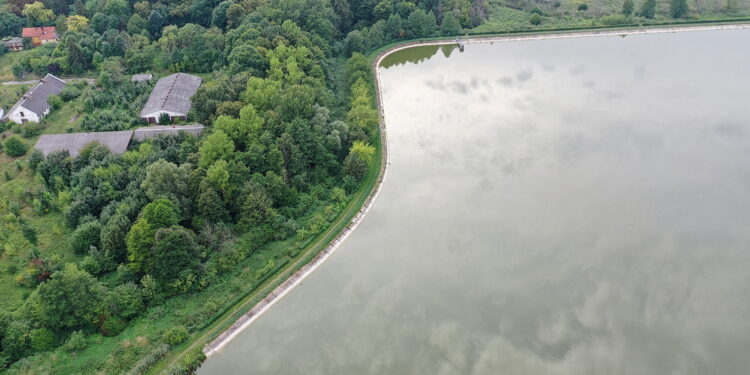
(575, 206)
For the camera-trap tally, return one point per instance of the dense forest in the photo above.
(111, 261)
(288, 101)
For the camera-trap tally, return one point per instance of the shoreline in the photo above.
(217, 344)
(554, 35)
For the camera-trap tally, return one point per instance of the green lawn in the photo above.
(10, 94)
(16, 181)
(6, 66)
(514, 15)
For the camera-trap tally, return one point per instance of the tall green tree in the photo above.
(628, 7)
(678, 8)
(175, 252)
(68, 300)
(216, 146)
(37, 14)
(113, 236)
(648, 9)
(160, 213)
(10, 24)
(421, 23)
(451, 25)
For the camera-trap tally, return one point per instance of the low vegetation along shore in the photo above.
(134, 262)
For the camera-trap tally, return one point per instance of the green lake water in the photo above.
(576, 206)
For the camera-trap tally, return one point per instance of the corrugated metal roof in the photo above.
(117, 142)
(35, 100)
(152, 131)
(14, 41)
(172, 93)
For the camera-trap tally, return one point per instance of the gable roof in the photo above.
(35, 100)
(117, 142)
(172, 93)
(152, 131)
(43, 33)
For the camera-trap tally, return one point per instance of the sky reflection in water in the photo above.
(573, 206)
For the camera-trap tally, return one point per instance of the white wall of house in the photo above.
(156, 115)
(20, 114)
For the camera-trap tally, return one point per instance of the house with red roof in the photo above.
(40, 35)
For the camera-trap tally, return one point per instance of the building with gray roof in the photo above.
(171, 96)
(33, 105)
(117, 142)
(14, 44)
(141, 134)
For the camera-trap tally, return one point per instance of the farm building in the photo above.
(14, 44)
(33, 105)
(152, 131)
(171, 96)
(40, 35)
(117, 142)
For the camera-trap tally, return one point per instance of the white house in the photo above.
(33, 105)
(171, 95)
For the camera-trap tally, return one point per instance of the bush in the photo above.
(31, 129)
(42, 339)
(85, 236)
(15, 147)
(76, 342)
(113, 326)
(55, 101)
(35, 158)
(614, 20)
(355, 166)
(70, 92)
(149, 360)
(535, 19)
(164, 118)
(175, 335)
(583, 6)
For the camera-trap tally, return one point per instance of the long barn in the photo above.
(171, 96)
(117, 142)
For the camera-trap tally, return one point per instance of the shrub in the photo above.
(175, 335)
(164, 118)
(85, 236)
(31, 129)
(15, 147)
(70, 92)
(76, 342)
(535, 19)
(35, 158)
(55, 101)
(614, 20)
(42, 339)
(583, 6)
(149, 360)
(113, 326)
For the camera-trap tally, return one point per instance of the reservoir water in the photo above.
(575, 206)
